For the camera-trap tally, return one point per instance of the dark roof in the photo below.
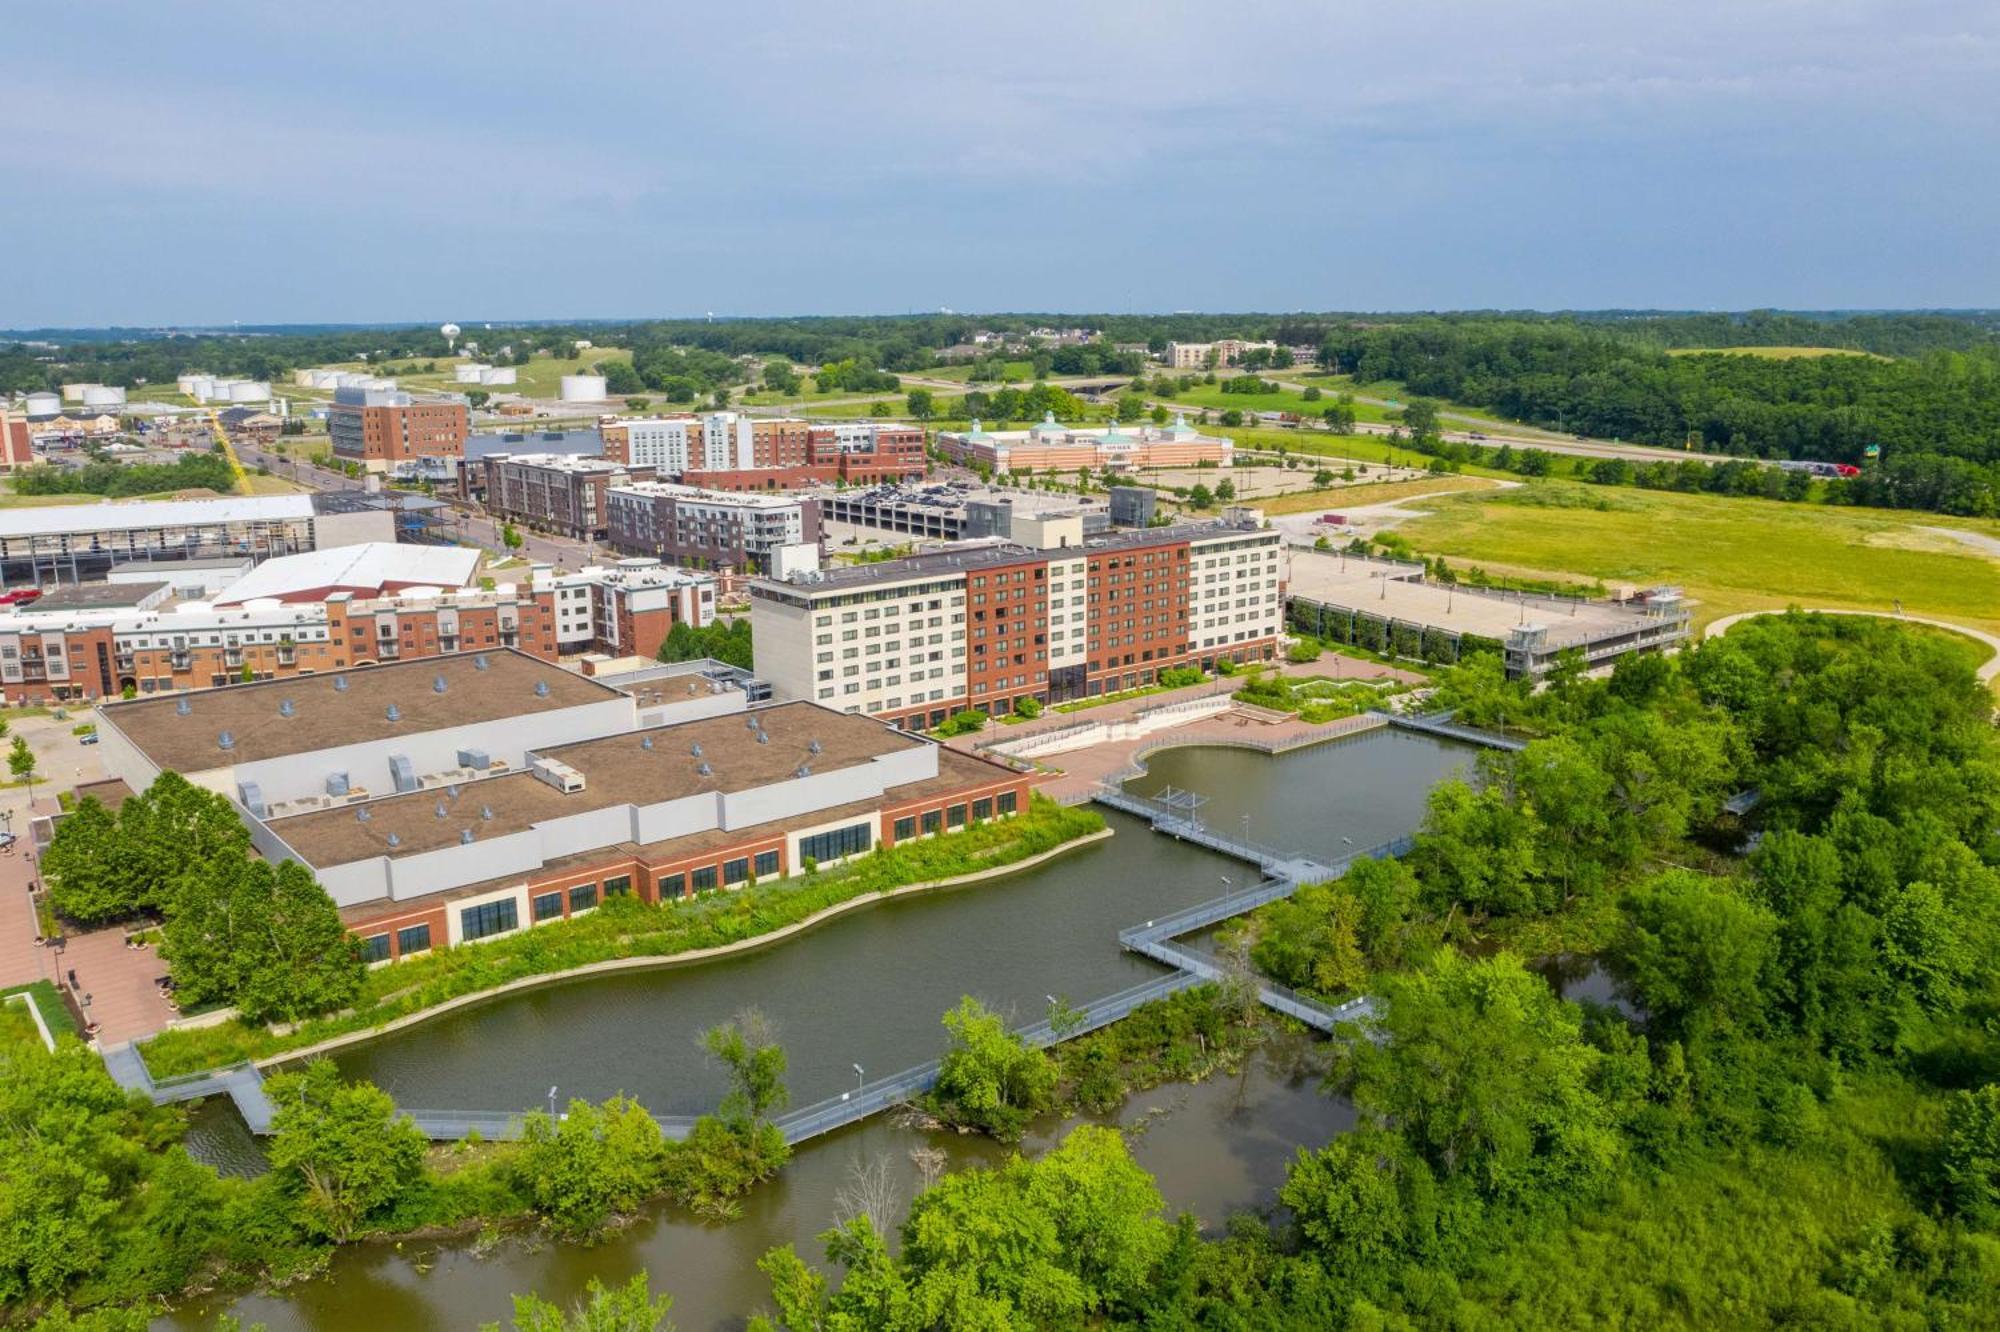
(325, 715)
(98, 596)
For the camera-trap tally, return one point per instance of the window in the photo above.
(548, 906)
(413, 939)
(933, 820)
(982, 809)
(488, 918)
(375, 948)
(1009, 802)
(673, 885)
(618, 887)
(735, 871)
(582, 896)
(767, 863)
(954, 817)
(906, 828)
(849, 841)
(704, 878)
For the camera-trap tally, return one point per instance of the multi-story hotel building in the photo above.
(708, 528)
(81, 655)
(1054, 447)
(914, 640)
(382, 428)
(731, 451)
(449, 801)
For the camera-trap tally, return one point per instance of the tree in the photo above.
(627, 1308)
(594, 1161)
(1971, 1154)
(340, 1148)
(478, 397)
(990, 1078)
(510, 537)
(920, 404)
(1225, 490)
(1199, 497)
(1322, 479)
(1696, 952)
(300, 960)
(21, 762)
(85, 884)
(748, 1048)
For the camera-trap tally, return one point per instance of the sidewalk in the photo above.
(21, 961)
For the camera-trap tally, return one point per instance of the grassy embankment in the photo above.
(1731, 554)
(631, 929)
(1776, 353)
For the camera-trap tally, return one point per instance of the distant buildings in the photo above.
(953, 512)
(381, 428)
(1054, 447)
(731, 451)
(914, 640)
(1219, 354)
(713, 529)
(17, 445)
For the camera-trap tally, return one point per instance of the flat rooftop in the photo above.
(617, 770)
(98, 596)
(479, 687)
(127, 515)
(1362, 585)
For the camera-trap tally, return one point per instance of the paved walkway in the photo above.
(21, 960)
(1986, 672)
(125, 1002)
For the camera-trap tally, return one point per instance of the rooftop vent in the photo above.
(442, 811)
(451, 789)
(285, 708)
(814, 747)
(465, 837)
(704, 770)
(541, 689)
(362, 815)
(763, 737)
(751, 724)
(438, 686)
(339, 684)
(479, 662)
(645, 742)
(802, 771)
(695, 750)
(394, 713)
(486, 813)
(183, 706)
(227, 740)
(394, 840)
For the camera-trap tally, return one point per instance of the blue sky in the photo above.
(200, 163)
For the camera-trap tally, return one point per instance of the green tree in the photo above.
(1199, 497)
(1225, 490)
(594, 1161)
(627, 1308)
(85, 883)
(748, 1048)
(510, 537)
(920, 404)
(21, 762)
(1696, 951)
(340, 1148)
(1971, 1154)
(990, 1078)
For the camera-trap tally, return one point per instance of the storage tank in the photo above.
(302, 378)
(103, 395)
(42, 406)
(502, 374)
(185, 382)
(468, 372)
(583, 388)
(250, 390)
(74, 392)
(200, 387)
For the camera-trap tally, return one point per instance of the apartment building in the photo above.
(78, 655)
(913, 640)
(731, 451)
(384, 428)
(1211, 355)
(704, 528)
(17, 445)
(554, 492)
(1053, 447)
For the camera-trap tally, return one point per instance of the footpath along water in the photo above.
(869, 989)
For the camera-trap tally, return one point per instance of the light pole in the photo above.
(860, 1078)
(1226, 886)
(552, 1103)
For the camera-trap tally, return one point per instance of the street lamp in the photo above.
(860, 1078)
(1226, 886)
(552, 1103)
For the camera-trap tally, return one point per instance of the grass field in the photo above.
(1333, 448)
(539, 378)
(1349, 497)
(1774, 353)
(1011, 372)
(1212, 397)
(1730, 554)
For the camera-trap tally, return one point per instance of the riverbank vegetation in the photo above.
(103, 1211)
(627, 928)
(1788, 1119)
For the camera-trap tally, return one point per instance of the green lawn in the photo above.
(541, 377)
(1731, 554)
(1011, 372)
(1212, 397)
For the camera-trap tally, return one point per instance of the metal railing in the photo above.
(1440, 723)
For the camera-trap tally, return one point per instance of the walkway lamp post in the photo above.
(860, 1078)
(1226, 886)
(552, 1103)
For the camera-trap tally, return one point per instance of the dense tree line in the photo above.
(191, 471)
(726, 641)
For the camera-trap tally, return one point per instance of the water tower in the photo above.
(450, 332)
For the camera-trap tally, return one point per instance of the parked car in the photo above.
(87, 738)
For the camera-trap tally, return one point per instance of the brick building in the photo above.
(708, 528)
(554, 492)
(731, 451)
(384, 428)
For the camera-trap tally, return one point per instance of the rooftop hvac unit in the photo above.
(476, 759)
(252, 797)
(336, 784)
(558, 774)
(401, 773)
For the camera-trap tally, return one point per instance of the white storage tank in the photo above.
(200, 387)
(103, 395)
(583, 388)
(74, 392)
(468, 372)
(250, 390)
(302, 378)
(500, 374)
(42, 406)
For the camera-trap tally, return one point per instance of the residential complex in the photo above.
(553, 492)
(1211, 355)
(1054, 447)
(131, 642)
(381, 428)
(711, 529)
(78, 542)
(478, 794)
(731, 451)
(917, 639)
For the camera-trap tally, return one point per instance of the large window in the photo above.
(1009, 802)
(954, 817)
(673, 885)
(933, 820)
(767, 863)
(582, 897)
(548, 906)
(487, 919)
(375, 948)
(704, 878)
(849, 841)
(736, 871)
(906, 828)
(413, 939)
(620, 886)
(982, 809)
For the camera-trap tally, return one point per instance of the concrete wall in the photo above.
(350, 529)
(121, 758)
(784, 638)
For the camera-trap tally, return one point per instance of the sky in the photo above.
(196, 164)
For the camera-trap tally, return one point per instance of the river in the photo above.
(869, 989)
